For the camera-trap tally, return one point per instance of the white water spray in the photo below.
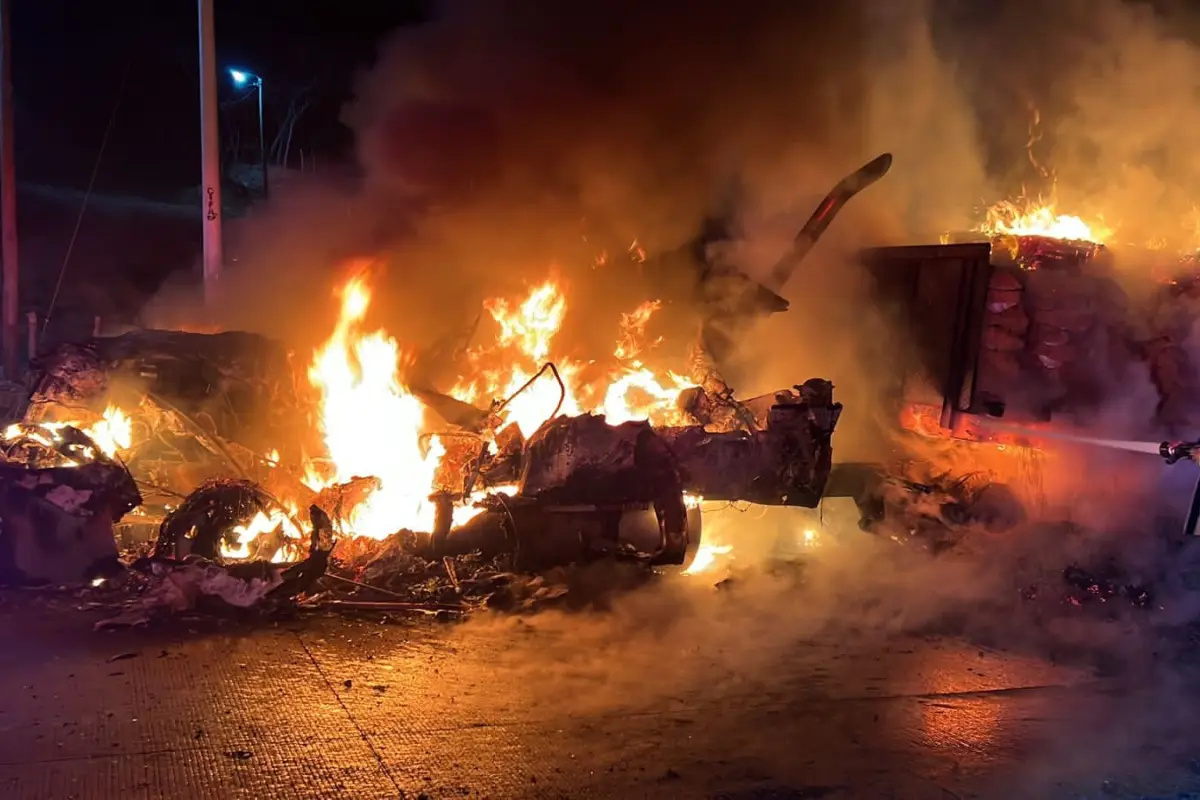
(1113, 444)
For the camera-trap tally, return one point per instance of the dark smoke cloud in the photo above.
(502, 138)
(633, 114)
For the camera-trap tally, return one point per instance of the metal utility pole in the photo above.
(10, 329)
(210, 154)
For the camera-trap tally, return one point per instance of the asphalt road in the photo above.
(678, 690)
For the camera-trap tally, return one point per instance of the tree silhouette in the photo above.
(283, 107)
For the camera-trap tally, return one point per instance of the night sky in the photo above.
(70, 58)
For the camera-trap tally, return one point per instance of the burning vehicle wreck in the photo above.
(476, 458)
(615, 486)
(577, 461)
(522, 479)
(578, 488)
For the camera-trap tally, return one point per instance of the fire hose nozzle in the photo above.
(1177, 451)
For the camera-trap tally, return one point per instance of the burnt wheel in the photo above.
(695, 525)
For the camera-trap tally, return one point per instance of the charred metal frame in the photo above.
(582, 480)
(916, 275)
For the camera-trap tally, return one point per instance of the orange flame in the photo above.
(112, 433)
(372, 425)
(635, 392)
(1041, 219)
(525, 339)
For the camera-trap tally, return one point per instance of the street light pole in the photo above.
(262, 140)
(210, 154)
(241, 78)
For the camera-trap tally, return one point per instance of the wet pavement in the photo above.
(628, 703)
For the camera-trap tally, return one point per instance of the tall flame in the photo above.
(523, 343)
(372, 425)
(635, 392)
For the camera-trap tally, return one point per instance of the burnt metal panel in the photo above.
(937, 296)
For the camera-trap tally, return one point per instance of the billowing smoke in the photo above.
(501, 139)
(1104, 95)
(547, 134)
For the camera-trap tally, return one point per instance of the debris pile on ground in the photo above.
(934, 511)
(939, 514)
(174, 586)
(60, 496)
(390, 571)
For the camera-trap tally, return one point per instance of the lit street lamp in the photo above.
(241, 78)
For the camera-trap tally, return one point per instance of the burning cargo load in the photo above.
(1036, 324)
(1056, 324)
(1022, 340)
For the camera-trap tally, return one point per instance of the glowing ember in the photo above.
(1041, 219)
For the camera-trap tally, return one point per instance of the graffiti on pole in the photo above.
(211, 213)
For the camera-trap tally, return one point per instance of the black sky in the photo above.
(71, 56)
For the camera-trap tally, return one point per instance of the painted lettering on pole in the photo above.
(211, 213)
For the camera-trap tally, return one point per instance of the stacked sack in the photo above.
(1062, 310)
(1166, 351)
(1006, 325)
